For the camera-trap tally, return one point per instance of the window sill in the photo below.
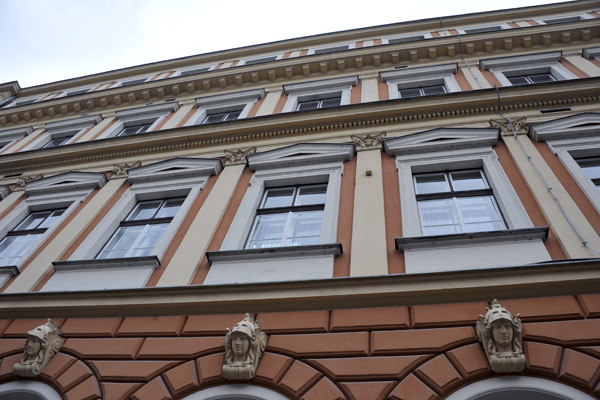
(11, 270)
(333, 249)
(107, 263)
(509, 235)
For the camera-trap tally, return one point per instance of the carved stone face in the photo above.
(502, 332)
(240, 344)
(33, 345)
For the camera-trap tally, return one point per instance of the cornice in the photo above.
(481, 103)
(505, 43)
(559, 278)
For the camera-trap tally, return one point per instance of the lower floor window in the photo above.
(289, 216)
(591, 167)
(456, 202)
(141, 230)
(20, 239)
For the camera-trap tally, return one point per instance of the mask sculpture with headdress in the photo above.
(501, 338)
(244, 345)
(42, 344)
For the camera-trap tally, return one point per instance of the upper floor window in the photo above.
(591, 167)
(222, 117)
(319, 94)
(259, 60)
(194, 71)
(564, 19)
(131, 82)
(140, 120)
(530, 79)
(422, 81)
(319, 103)
(331, 49)
(483, 29)
(10, 136)
(421, 91)
(63, 132)
(59, 141)
(134, 129)
(225, 107)
(405, 39)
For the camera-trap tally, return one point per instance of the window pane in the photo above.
(431, 90)
(56, 142)
(468, 180)
(170, 207)
(438, 217)
(431, 183)
(33, 220)
(268, 231)
(305, 228)
(278, 197)
(590, 166)
(311, 195)
(51, 218)
(410, 92)
(13, 247)
(121, 242)
(518, 80)
(478, 209)
(232, 115)
(147, 240)
(308, 105)
(144, 210)
(332, 102)
(541, 78)
(134, 129)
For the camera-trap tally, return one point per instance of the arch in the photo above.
(27, 390)
(235, 392)
(518, 388)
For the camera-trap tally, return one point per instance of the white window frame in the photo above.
(66, 190)
(407, 38)
(120, 82)
(421, 76)
(15, 102)
(237, 101)
(591, 53)
(544, 21)
(153, 114)
(317, 90)
(244, 61)
(312, 51)
(568, 141)
(540, 63)
(10, 136)
(463, 30)
(72, 127)
(467, 148)
(182, 71)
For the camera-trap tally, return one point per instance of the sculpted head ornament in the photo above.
(244, 346)
(42, 344)
(501, 337)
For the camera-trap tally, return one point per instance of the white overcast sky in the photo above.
(49, 40)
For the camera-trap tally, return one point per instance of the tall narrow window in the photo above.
(456, 202)
(17, 241)
(289, 216)
(142, 229)
(591, 167)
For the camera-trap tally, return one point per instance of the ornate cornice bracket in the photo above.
(519, 125)
(42, 344)
(236, 157)
(244, 346)
(368, 141)
(22, 181)
(120, 170)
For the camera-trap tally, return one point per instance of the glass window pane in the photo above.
(431, 90)
(33, 220)
(311, 195)
(484, 227)
(410, 92)
(478, 209)
(144, 210)
(212, 118)
(278, 197)
(54, 215)
(591, 167)
(332, 102)
(541, 78)
(14, 247)
(305, 228)
(308, 105)
(518, 80)
(431, 183)
(467, 180)
(122, 241)
(232, 115)
(437, 213)
(147, 240)
(56, 142)
(268, 231)
(170, 207)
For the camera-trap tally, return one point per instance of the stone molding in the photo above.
(238, 156)
(520, 126)
(368, 142)
(23, 180)
(42, 344)
(120, 170)
(244, 346)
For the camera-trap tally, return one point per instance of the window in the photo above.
(422, 81)
(288, 216)
(142, 228)
(140, 120)
(59, 141)
(286, 225)
(459, 209)
(330, 49)
(529, 69)
(259, 60)
(195, 71)
(564, 20)
(24, 235)
(131, 82)
(483, 29)
(456, 202)
(10, 136)
(319, 94)
(63, 132)
(592, 53)
(405, 39)
(591, 167)
(76, 92)
(225, 107)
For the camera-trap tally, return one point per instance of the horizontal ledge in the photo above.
(107, 263)
(332, 249)
(11, 270)
(555, 278)
(507, 235)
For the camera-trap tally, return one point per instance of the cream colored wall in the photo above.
(584, 65)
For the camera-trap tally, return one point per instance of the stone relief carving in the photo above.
(120, 170)
(244, 345)
(22, 180)
(238, 156)
(367, 142)
(501, 338)
(42, 344)
(519, 124)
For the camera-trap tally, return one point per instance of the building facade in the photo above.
(408, 211)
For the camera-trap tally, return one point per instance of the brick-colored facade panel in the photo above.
(324, 390)
(86, 390)
(446, 314)
(20, 327)
(584, 332)
(580, 369)
(272, 367)
(130, 371)
(368, 390)
(439, 374)
(210, 368)
(411, 388)
(370, 368)
(74, 375)
(470, 361)
(6, 366)
(10, 346)
(591, 303)
(119, 391)
(299, 321)
(420, 340)
(182, 379)
(90, 327)
(546, 308)
(311, 345)
(543, 358)
(59, 364)
(152, 326)
(594, 351)
(198, 325)
(103, 348)
(155, 390)
(4, 323)
(299, 378)
(180, 348)
(370, 318)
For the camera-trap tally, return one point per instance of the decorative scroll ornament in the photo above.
(501, 337)
(120, 170)
(368, 142)
(244, 345)
(233, 157)
(22, 180)
(520, 126)
(42, 344)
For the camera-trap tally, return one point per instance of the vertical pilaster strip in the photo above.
(369, 254)
(370, 89)
(189, 254)
(587, 67)
(179, 115)
(475, 78)
(98, 128)
(270, 102)
(568, 239)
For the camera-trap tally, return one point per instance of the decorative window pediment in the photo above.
(339, 89)
(177, 168)
(421, 81)
(11, 135)
(441, 139)
(238, 104)
(146, 119)
(301, 154)
(582, 125)
(67, 182)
